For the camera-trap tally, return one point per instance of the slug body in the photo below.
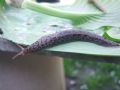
(65, 37)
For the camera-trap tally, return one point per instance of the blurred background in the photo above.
(91, 75)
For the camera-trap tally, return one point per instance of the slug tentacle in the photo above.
(19, 54)
(65, 37)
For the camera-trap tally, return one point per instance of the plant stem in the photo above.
(56, 12)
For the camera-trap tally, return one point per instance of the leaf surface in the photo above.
(25, 26)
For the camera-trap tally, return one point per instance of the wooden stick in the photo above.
(97, 5)
(34, 72)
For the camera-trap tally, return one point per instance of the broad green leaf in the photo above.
(78, 15)
(85, 17)
(25, 26)
(87, 48)
(111, 18)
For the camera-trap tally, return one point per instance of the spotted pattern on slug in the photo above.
(65, 37)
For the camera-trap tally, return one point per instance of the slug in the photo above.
(97, 5)
(65, 37)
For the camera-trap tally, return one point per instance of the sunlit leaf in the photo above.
(25, 26)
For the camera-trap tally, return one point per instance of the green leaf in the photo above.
(111, 18)
(82, 13)
(78, 15)
(25, 26)
(87, 48)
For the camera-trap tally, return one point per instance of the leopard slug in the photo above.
(65, 37)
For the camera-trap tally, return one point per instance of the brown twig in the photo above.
(97, 5)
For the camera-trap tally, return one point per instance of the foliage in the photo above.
(95, 75)
(68, 66)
